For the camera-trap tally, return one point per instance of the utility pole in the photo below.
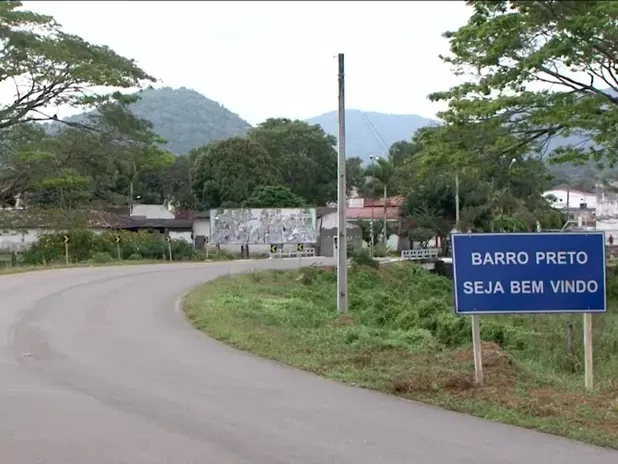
(457, 200)
(373, 201)
(384, 236)
(342, 245)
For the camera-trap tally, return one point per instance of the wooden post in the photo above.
(588, 364)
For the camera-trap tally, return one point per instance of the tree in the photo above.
(354, 174)
(400, 152)
(381, 175)
(540, 69)
(50, 67)
(274, 196)
(226, 173)
(169, 183)
(66, 189)
(23, 160)
(72, 166)
(304, 155)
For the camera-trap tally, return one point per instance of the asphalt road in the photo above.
(98, 366)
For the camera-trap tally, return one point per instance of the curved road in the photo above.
(98, 366)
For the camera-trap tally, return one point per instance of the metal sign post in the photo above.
(65, 241)
(117, 239)
(168, 239)
(530, 273)
(299, 251)
(206, 240)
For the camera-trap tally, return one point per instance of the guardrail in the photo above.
(306, 253)
(420, 253)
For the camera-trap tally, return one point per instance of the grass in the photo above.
(24, 268)
(6, 268)
(402, 337)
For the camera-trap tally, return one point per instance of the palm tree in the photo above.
(380, 174)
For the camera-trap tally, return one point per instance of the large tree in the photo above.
(49, 67)
(304, 155)
(73, 166)
(540, 69)
(354, 174)
(226, 173)
(274, 196)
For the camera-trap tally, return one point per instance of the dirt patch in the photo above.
(492, 355)
(345, 320)
(458, 381)
(427, 381)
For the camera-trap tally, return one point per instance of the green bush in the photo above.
(85, 245)
(102, 257)
(362, 258)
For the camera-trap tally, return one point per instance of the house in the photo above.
(563, 196)
(159, 218)
(361, 209)
(20, 229)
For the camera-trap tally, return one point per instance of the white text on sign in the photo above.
(506, 258)
(529, 287)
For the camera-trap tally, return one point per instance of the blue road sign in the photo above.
(513, 273)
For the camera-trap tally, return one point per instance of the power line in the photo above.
(375, 131)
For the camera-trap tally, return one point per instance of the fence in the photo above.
(306, 253)
(420, 253)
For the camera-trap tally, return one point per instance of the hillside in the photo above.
(185, 118)
(369, 133)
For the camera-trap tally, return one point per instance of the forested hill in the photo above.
(185, 118)
(369, 133)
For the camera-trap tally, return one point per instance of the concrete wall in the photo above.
(201, 226)
(181, 235)
(607, 213)
(330, 220)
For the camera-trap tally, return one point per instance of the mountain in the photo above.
(370, 133)
(185, 118)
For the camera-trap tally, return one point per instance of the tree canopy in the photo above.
(539, 69)
(50, 67)
(226, 173)
(274, 196)
(304, 156)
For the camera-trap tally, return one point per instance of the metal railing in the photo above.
(420, 253)
(306, 253)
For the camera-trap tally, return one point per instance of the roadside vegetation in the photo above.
(87, 248)
(402, 337)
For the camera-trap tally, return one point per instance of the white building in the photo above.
(563, 196)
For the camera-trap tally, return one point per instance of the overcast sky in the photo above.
(278, 59)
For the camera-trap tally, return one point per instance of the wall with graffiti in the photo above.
(263, 226)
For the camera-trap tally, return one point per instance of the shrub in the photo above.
(362, 258)
(102, 257)
(85, 245)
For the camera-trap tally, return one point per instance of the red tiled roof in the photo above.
(390, 201)
(378, 213)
